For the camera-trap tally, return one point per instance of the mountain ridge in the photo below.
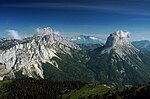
(30, 52)
(118, 61)
(47, 55)
(143, 45)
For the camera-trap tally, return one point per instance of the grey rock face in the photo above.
(119, 41)
(118, 38)
(27, 55)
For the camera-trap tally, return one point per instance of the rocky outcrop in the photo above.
(120, 42)
(27, 55)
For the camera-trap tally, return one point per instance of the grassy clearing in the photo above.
(86, 91)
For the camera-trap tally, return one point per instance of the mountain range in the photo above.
(84, 39)
(143, 45)
(47, 55)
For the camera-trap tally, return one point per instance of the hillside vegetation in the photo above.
(29, 88)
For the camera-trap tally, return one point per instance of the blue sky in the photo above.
(75, 17)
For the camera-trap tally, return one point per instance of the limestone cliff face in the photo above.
(119, 38)
(27, 55)
(120, 42)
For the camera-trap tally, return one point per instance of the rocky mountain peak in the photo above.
(120, 43)
(27, 55)
(120, 57)
(120, 38)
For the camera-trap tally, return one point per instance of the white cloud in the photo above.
(123, 33)
(57, 32)
(13, 34)
(37, 30)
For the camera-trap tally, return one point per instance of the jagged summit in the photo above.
(120, 38)
(119, 42)
(27, 55)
